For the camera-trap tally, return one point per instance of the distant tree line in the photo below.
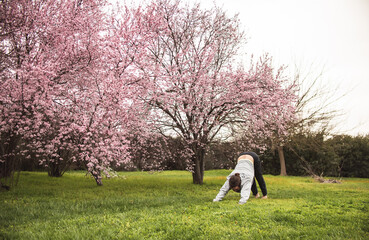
(338, 156)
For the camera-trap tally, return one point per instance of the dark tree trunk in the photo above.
(282, 161)
(57, 168)
(54, 169)
(199, 168)
(198, 175)
(12, 162)
(98, 178)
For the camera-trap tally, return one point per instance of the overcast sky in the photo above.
(329, 36)
(332, 35)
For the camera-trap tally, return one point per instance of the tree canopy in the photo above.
(79, 83)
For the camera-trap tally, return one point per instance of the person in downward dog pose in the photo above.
(242, 178)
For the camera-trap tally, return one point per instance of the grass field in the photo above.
(166, 205)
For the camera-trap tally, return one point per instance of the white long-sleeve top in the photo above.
(246, 170)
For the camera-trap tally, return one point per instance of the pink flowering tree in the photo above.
(63, 97)
(195, 92)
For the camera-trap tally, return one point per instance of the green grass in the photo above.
(166, 205)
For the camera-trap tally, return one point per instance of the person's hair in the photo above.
(235, 181)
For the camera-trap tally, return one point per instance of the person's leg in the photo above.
(259, 175)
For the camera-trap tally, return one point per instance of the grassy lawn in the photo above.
(166, 205)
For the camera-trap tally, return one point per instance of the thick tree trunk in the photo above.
(198, 173)
(282, 161)
(12, 163)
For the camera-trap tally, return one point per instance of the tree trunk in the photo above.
(54, 169)
(57, 168)
(198, 173)
(282, 161)
(98, 178)
(12, 162)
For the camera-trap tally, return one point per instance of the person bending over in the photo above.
(240, 179)
(258, 175)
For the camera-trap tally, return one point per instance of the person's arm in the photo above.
(222, 192)
(245, 190)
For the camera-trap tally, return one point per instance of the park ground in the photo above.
(166, 205)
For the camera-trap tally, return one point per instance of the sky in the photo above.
(318, 36)
(328, 39)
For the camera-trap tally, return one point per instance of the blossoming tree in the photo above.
(61, 99)
(195, 90)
